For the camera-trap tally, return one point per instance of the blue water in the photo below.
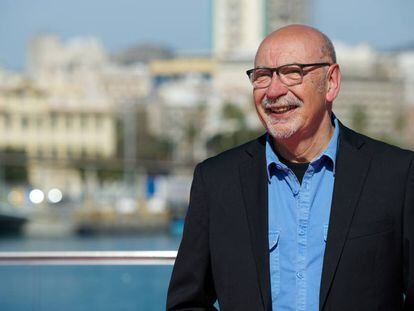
(85, 287)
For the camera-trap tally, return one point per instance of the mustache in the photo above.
(283, 101)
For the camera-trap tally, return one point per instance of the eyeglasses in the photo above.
(289, 74)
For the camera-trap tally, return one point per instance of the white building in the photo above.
(372, 91)
(178, 112)
(406, 66)
(64, 111)
(82, 65)
(240, 25)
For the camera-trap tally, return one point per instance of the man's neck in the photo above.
(300, 148)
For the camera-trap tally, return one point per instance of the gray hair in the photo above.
(328, 47)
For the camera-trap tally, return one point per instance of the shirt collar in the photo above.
(329, 153)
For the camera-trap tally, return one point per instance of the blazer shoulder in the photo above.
(377, 148)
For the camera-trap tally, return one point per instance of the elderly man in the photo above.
(310, 216)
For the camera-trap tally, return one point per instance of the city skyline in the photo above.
(121, 24)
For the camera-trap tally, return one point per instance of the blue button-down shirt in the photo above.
(298, 226)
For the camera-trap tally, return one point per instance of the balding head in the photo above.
(305, 42)
(295, 81)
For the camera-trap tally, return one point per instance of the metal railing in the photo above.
(89, 258)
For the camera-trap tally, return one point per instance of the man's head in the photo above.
(296, 102)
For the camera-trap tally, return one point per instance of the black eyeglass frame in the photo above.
(277, 69)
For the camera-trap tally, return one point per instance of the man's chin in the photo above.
(282, 130)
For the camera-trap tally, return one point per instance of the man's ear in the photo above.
(334, 83)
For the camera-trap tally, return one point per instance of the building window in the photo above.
(54, 153)
(53, 120)
(84, 121)
(99, 122)
(69, 122)
(24, 122)
(7, 120)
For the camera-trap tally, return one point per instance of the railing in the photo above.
(89, 258)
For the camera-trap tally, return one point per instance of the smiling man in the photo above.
(310, 216)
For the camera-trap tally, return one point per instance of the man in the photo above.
(311, 216)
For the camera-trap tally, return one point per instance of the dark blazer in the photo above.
(369, 256)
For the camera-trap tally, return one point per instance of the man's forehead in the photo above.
(279, 52)
(277, 57)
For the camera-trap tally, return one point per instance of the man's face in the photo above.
(294, 111)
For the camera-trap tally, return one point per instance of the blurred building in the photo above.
(239, 26)
(162, 70)
(177, 112)
(54, 132)
(231, 87)
(406, 67)
(32, 120)
(126, 83)
(177, 106)
(74, 64)
(63, 113)
(82, 66)
(372, 98)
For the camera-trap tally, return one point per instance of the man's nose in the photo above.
(276, 87)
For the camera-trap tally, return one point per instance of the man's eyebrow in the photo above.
(261, 67)
(267, 67)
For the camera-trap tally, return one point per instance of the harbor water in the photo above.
(77, 287)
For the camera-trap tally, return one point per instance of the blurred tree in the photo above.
(119, 128)
(155, 148)
(192, 128)
(358, 118)
(400, 123)
(232, 112)
(236, 136)
(13, 167)
(109, 174)
(221, 142)
(392, 140)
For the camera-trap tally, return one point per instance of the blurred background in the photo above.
(106, 107)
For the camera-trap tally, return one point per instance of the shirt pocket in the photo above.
(274, 262)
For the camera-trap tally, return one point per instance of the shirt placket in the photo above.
(303, 210)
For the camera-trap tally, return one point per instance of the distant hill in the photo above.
(409, 46)
(142, 53)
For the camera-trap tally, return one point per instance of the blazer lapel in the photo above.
(254, 188)
(351, 171)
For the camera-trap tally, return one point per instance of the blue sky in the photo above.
(185, 24)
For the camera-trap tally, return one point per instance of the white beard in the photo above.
(282, 128)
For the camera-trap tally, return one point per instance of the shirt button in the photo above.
(301, 232)
(299, 275)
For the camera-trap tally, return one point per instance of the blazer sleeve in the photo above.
(191, 286)
(408, 243)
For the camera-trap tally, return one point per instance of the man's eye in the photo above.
(262, 75)
(290, 71)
